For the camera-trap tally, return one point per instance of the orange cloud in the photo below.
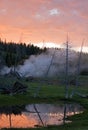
(44, 19)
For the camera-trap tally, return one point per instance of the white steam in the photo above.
(50, 63)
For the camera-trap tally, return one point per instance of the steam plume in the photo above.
(37, 65)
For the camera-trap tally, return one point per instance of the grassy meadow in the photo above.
(49, 91)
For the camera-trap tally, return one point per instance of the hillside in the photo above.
(13, 54)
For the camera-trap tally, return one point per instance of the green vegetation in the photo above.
(51, 91)
(13, 54)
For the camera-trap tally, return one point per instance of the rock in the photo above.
(16, 88)
(19, 88)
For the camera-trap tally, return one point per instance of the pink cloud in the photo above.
(33, 18)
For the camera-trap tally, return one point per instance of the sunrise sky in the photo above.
(49, 20)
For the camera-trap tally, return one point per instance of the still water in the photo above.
(35, 115)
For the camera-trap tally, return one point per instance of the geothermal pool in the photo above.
(35, 115)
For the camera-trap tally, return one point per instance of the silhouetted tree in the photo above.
(14, 54)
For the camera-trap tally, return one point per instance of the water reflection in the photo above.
(35, 115)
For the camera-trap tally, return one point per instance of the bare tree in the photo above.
(66, 76)
(77, 73)
(46, 73)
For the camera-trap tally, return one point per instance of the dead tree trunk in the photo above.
(66, 72)
(78, 72)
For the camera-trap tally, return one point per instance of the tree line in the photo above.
(13, 53)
